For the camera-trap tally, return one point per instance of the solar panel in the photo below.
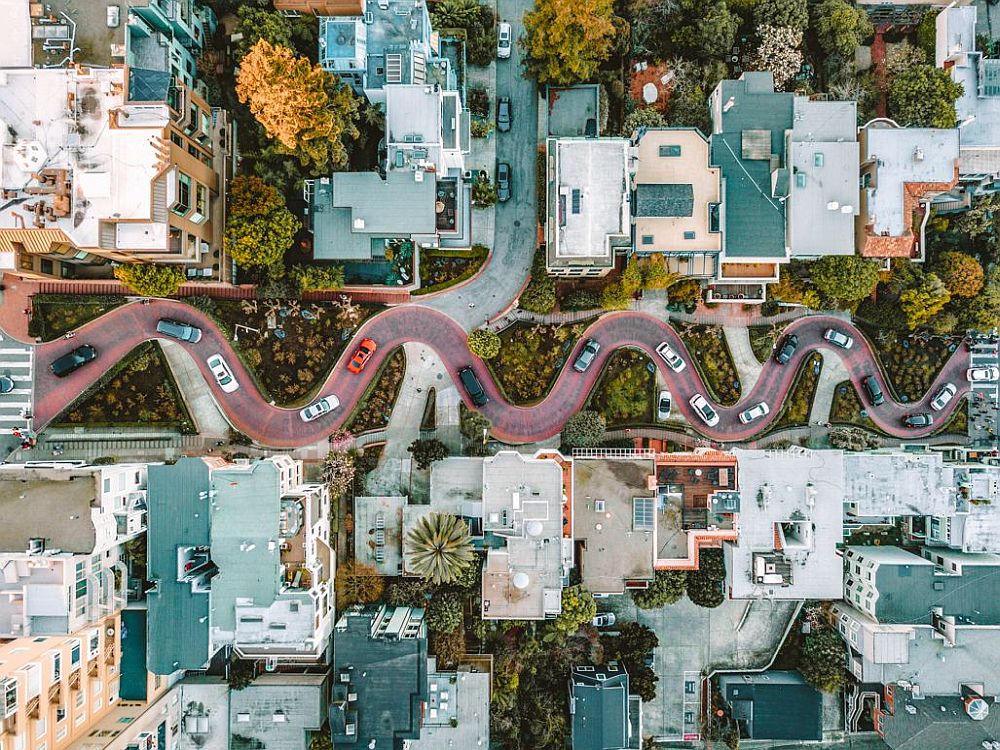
(642, 514)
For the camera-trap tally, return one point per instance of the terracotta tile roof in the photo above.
(903, 245)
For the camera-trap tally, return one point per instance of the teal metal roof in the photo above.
(133, 684)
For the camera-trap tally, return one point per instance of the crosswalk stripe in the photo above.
(16, 351)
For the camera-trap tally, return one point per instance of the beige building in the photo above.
(321, 7)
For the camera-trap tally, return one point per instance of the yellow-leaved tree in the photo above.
(566, 40)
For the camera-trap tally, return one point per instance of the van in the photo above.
(473, 387)
(874, 390)
(177, 330)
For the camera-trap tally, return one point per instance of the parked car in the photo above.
(663, 404)
(73, 360)
(504, 38)
(473, 386)
(787, 350)
(674, 360)
(586, 356)
(177, 330)
(324, 406)
(917, 421)
(361, 356)
(983, 374)
(604, 620)
(838, 338)
(114, 16)
(874, 390)
(649, 660)
(503, 182)
(754, 412)
(504, 114)
(6, 384)
(223, 375)
(943, 397)
(708, 415)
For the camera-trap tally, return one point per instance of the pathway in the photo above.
(208, 418)
(747, 365)
(833, 372)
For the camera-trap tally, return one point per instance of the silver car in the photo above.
(704, 409)
(754, 412)
(587, 355)
(324, 406)
(943, 397)
(663, 404)
(838, 338)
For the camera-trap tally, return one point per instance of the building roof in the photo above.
(57, 506)
(279, 710)
(16, 49)
(899, 484)
(369, 513)
(149, 85)
(664, 200)
(424, 128)
(774, 705)
(599, 707)
(461, 696)
(935, 722)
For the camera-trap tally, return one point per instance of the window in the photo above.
(9, 697)
(200, 204)
(40, 727)
(94, 646)
(107, 484)
(26, 262)
(74, 654)
(182, 204)
(647, 239)
(47, 266)
(670, 150)
(176, 139)
(60, 714)
(56, 667)
(818, 159)
(689, 235)
(80, 698)
(800, 179)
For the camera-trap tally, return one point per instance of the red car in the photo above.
(362, 355)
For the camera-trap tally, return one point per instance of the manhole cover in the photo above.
(517, 223)
(439, 376)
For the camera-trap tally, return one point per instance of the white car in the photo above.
(943, 397)
(754, 412)
(983, 374)
(838, 338)
(324, 406)
(504, 39)
(708, 415)
(663, 406)
(604, 620)
(223, 375)
(672, 358)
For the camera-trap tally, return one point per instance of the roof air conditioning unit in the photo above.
(598, 506)
(36, 546)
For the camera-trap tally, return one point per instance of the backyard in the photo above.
(375, 407)
(440, 269)
(139, 390)
(52, 315)
(708, 348)
(799, 402)
(624, 394)
(531, 357)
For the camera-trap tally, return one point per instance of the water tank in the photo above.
(533, 528)
(520, 580)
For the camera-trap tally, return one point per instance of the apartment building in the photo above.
(321, 7)
(239, 555)
(62, 544)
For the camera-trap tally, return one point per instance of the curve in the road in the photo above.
(122, 329)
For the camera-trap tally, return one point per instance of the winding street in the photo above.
(124, 328)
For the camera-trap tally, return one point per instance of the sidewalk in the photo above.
(208, 418)
(747, 366)
(833, 372)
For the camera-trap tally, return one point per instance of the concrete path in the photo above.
(747, 365)
(833, 372)
(208, 418)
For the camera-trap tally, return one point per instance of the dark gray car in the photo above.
(177, 330)
(503, 182)
(505, 116)
(70, 361)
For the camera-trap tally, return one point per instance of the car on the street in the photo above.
(663, 403)
(983, 374)
(504, 38)
(505, 115)
(503, 182)
(943, 397)
(754, 412)
(6, 384)
(361, 356)
(649, 660)
(73, 360)
(838, 338)
(586, 356)
(473, 386)
(223, 375)
(704, 410)
(787, 349)
(177, 330)
(324, 406)
(674, 360)
(917, 421)
(874, 390)
(604, 620)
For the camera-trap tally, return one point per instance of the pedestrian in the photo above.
(69, 335)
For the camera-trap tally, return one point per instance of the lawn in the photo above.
(847, 407)
(708, 348)
(52, 315)
(624, 394)
(289, 345)
(531, 357)
(440, 269)
(799, 402)
(375, 407)
(139, 390)
(762, 340)
(911, 364)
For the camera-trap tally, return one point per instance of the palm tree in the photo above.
(439, 548)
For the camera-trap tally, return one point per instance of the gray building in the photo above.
(937, 723)
(278, 711)
(603, 715)
(774, 705)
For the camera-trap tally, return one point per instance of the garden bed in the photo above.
(52, 315)
(625, 393)
(441, 269)
(762, 340)
(795, 412)
(288, 370)
(911, 364)
(375, 407)
(139, 390)
(531, 357)
(707, 346)
(847, 407)
(958, 422)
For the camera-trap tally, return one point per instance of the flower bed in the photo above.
(375, 407)
(795, 412)
(52, 315)
(531, 357)
(707, 346)
(624, 394)
(440, 269)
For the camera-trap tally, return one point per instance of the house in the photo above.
(104, 165)
(587, 205)
(603, 715)
(457, 713)
(240, 556)
(676, 200)
(902, 170)
(774, 705)
(62, 544)
(912, 721)
(168, 38)
(279, 711)
(978, 108)
(378, 533)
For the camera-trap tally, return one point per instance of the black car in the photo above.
(787, 349)
(503, 182)
(473, 386)
(874, 390)
(917, 421)
(73, 360)
(505, 116)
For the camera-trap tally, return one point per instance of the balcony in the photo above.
(55, 694)
(74, 679)
(109, 653)
(32, 707)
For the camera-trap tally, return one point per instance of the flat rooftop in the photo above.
(15, 52)
(462, 697)
(899, 484)
(372, 514)
(58, 510)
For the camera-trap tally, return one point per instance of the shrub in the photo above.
(584, 429)
(705, 585)
(822, 659)
(685, 291)
(484, 343)
(150, 279)
(667, 587)
(445, 615)
(426, 452)
(318, 278)
(479, 101)
(540, 294)
(357, 583)
(581, 299)
(615, 296)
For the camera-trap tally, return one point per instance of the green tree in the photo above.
(484, 193)
(927, 32)
(578, 608)
(259, 227)
(241, 673)
(438, 548)
(840, 27)
(822, 659)
(846, 278)
(455, 14)
(484, 343)
(357, 583)
(279, 30)
(630, 647)
(705, 585)
(923, 302)
(923, 96)
(318, 278)
(445, 613)
(688, 107)
(584, 429)
(321, 741)
(655, 274)
(614, 296)
(338, 472)
(791, 13)
(703, 29)
(631, 280)
(566, 42)
(409, 592)
(684, 291)
(962, 275)
(643, 117)
(667, 587)
(475, 429)
(982, 312)
(150, 279)
(540, 294)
